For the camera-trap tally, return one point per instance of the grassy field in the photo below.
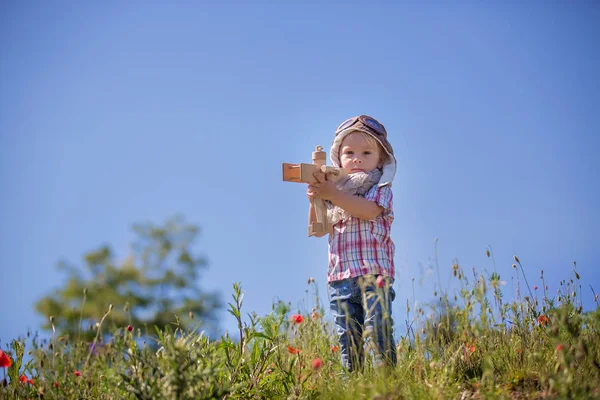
(470, 345)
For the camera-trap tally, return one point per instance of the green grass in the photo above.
(470, 345)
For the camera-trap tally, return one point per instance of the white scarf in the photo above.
(357, 184)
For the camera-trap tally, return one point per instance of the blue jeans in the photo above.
(360, 307)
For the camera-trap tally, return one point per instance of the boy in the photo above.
(361, 251)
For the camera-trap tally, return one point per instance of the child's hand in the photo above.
(311, 193)
(322, 189)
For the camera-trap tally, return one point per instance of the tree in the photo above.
(156, 285)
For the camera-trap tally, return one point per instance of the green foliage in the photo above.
(537, 347)
(155, 283)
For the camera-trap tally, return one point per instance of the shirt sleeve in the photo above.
(382, 196)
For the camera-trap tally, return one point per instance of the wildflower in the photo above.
(471, 349)
(543, 320)
(516, 258)
(514, 265)
(315, 315)
(293, 350)
(23, 378)
(297, 318)
(535, 288)
(317, 363)
(129, 328)
(380, 281)
(560, 347)
(77, 373)
(30, 381)
(334, 349)
(311, 280)
(56, 385)
(487, 253)
(5, 360)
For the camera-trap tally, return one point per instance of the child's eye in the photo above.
(350, 152)
(367, 153)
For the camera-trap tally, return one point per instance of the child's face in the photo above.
(359, 154)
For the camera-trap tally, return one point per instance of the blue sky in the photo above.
(117, 113)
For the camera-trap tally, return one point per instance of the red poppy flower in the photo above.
(297, 318)
(334, 349)
(77, 373)
(543, 320)
(23, 378)
(293, 350)
(317, 363)
(55, 384)
(560, 347)
(30, 381)
(5, 360)
(129, 328)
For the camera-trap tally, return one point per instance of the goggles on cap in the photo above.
(371, 123)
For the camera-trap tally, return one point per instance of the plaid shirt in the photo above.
(360, 247)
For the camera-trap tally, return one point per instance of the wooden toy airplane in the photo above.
(303, 173)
